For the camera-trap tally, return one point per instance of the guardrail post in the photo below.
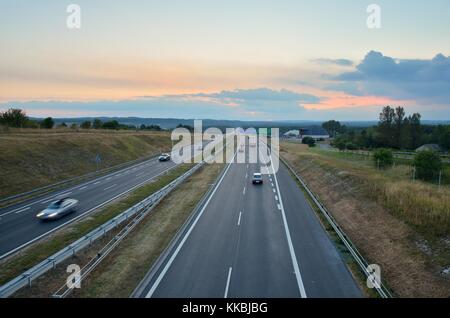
(52, 259)
(29, 279)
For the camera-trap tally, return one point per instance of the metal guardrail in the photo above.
(137, 292)
(382, 290)
(36, 271)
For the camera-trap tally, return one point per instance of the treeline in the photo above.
(394, 130)
(17, 118)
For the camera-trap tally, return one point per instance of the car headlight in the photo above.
(40, 214)
(53, 214)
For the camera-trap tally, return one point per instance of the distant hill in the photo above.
(170, 123)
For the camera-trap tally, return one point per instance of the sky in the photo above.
(225, 59)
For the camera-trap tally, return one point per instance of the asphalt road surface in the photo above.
(20, 227)
(252, 241)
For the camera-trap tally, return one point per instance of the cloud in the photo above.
(340, 62)
(380, 75)
(259, 103)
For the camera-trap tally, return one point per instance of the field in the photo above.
(402, 225)
(32, 158)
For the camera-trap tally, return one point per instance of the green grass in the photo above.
(40, 251)
(34, 158)
(402, 167)
(421, 204)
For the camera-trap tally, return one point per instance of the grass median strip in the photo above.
(35, 253)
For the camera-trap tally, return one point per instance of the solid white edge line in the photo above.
(21, 210)
(61, 192)
(80, 216)
(228, 282)
(180, 245)
(301, 287)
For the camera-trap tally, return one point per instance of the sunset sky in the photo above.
(225, 59)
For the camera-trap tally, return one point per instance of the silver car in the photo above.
(164, 157)
(58, 209)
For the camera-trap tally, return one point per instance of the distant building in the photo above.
(292, 133)
(432, 147)
(314, 132)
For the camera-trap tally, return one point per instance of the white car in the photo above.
(164, 157)
(257, 178)
(58, 209)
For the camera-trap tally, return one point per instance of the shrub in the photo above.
(309, 141)
(86, 124)
(112, 124)
(351, 146)
(97, 124)
(13, 117)
(47, 123)
(383, 158)
(339, 143)
(428, 164)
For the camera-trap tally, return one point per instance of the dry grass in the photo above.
(395, 223)
(34, 158)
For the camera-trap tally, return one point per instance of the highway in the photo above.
(251, 241)
(19, 226)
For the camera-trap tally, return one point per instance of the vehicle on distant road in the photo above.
(164, 157)
(257, 178)
(58, 208)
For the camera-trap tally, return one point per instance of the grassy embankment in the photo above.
(404, 226)
(31, 158)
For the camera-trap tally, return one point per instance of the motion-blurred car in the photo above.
(58, 209)
(164, 157)
(257, 178)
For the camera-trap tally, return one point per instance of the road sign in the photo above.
(98, 160)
